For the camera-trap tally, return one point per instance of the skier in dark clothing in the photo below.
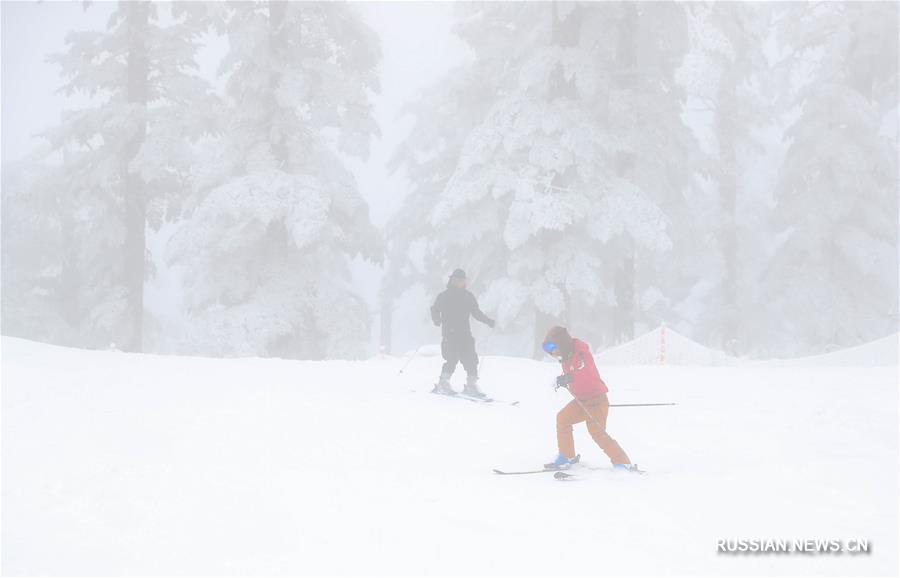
(451, 311)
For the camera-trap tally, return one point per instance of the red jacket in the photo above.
(586, 382)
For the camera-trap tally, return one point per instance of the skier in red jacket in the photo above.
(581, 378)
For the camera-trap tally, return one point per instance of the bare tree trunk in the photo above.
(135, 190)
(728, 236)
(70, 278)
(624, 285)
(387, 318)
(277, 46)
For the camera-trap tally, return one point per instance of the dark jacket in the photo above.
(451, 310)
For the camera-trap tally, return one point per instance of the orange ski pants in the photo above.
(597, 409)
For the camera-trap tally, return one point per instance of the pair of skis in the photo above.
(566, 475)
(474, 399)
(575, 460)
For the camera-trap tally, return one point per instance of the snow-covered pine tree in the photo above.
(119, 157)
(33, 304)
(537, 204)
(834, 278)
(277, 215)
(660, 157)
(726, 75)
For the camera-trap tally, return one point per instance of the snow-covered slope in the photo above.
(137, 464)
(664, 346)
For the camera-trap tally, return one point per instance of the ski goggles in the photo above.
(549, 347)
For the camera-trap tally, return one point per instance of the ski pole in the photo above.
(411, 357)
(624, 404)
(584, 409)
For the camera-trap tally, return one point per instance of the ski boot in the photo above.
(443, 386)
(626, 468)
(471, 388)
(561, 463)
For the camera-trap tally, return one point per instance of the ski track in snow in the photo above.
(125, 464)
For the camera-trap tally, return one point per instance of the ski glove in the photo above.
(490, 323)
(435, 317)
(563, 381)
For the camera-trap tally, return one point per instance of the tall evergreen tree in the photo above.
(537, 205)
(121, 157)
(33, 305)
(276, 215)
(659, 158)
(834, 277)
(727, 74)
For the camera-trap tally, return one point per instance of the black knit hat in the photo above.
(458, 274)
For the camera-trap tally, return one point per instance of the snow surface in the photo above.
(127, 464)
(665, 346)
